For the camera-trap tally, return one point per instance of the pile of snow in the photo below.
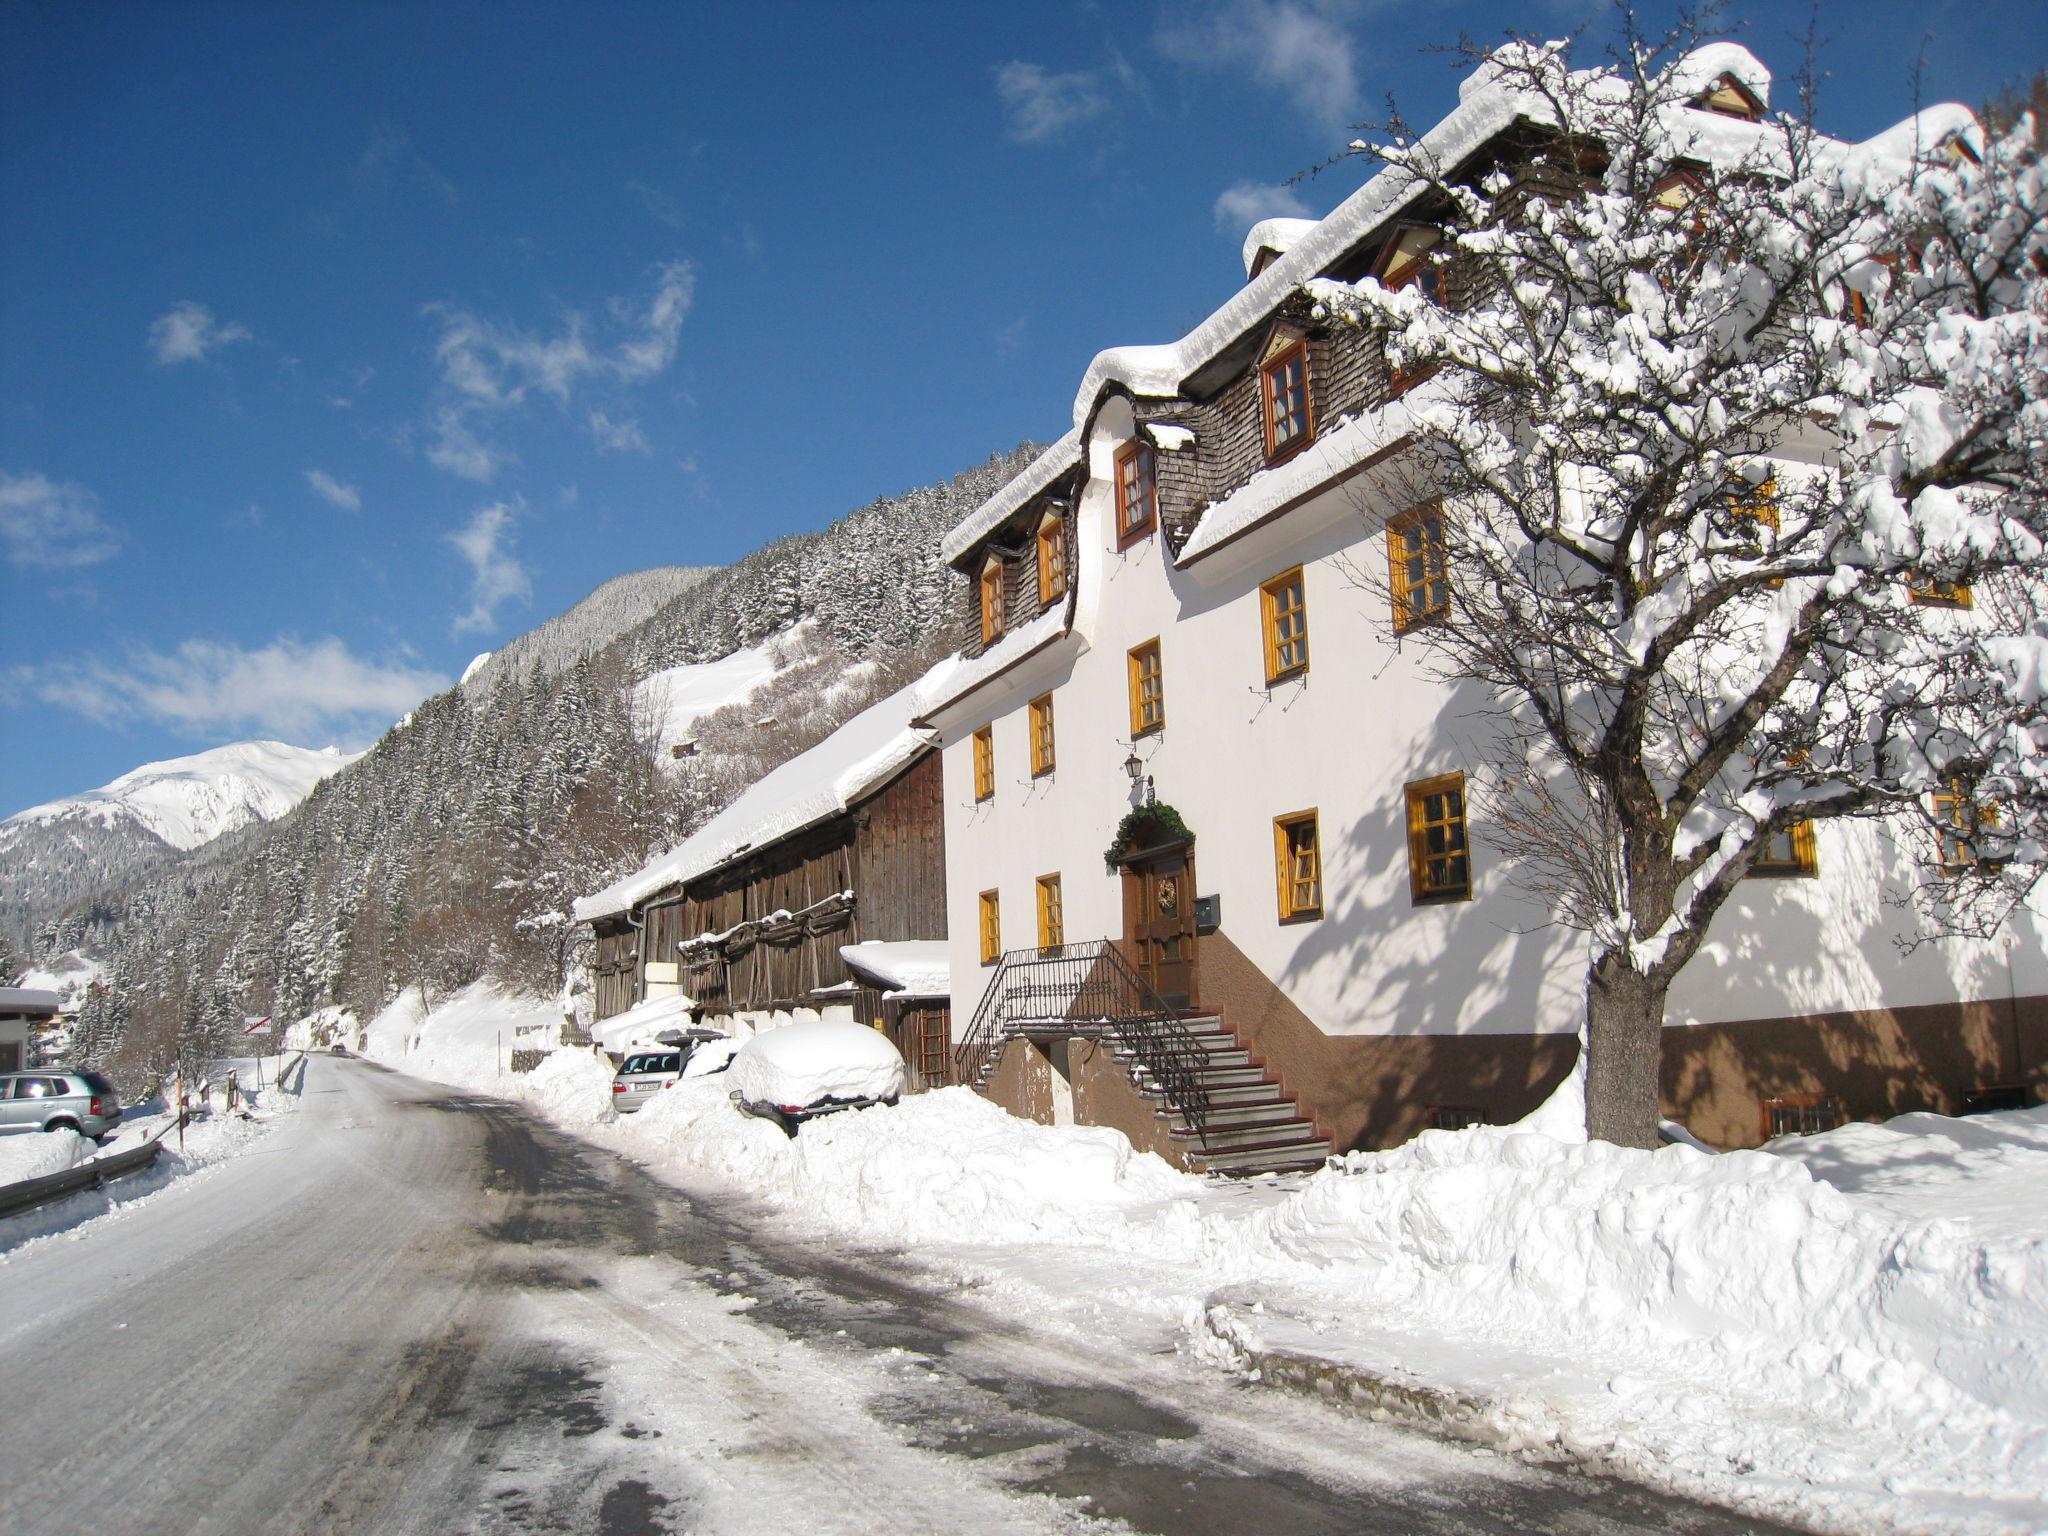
(640, 1024)
(190, 801)
(941, 1167)
(570, 1088)
(800, 1064)
(468, 1039)
(30, 1155)
(1988, 1171)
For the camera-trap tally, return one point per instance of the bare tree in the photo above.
(1735, 439)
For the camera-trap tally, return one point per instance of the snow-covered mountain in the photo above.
(190, 801)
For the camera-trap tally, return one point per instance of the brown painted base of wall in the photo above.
(1372, 1091)
(1024, 1083)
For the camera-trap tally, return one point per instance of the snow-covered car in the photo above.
(647, 1070)
(801, 1071)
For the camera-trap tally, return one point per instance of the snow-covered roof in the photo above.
(1275, 235)
(639, 1024)
(862, 754)
(1027, 483)
(27, 1000)
(971, 673)
(1490, 100)
(907, 968)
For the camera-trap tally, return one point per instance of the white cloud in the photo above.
(52, 524)
(660, 205)
(1300, 47)
(188, 331)
(622, 436)
(460, 451)
(490, 367)
(1245, 203)
(332, 491)
(1038, 105)
(495, 577)
(289, 688)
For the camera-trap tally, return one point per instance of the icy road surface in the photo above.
(410, 1310)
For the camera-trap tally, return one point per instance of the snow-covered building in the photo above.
(23, 1012)
(1199, 793)
(748, 919)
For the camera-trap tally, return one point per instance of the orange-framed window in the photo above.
(1439, 860)
(1416, 567)
(985, 763)
(1137, 492)
(1283, 612)
(1284, 388)
(1042, 756)
(1410, 262)
(1052, 922)
(1298, 866)
(1932, 592)
(991, 918)
(1958, 819)
(992, 615)
(1148, 689)
(1790, 854)
(1052, 559)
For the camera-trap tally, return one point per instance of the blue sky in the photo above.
(342, 343)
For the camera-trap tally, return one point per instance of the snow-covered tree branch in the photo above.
(1739, 439)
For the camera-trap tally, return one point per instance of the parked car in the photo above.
(337, 1049)
(58, 1099)
(802, 1071)
(647, 1070)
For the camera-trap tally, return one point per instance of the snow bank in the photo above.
(800, 1064)
(939, 1167)
(30, 1155)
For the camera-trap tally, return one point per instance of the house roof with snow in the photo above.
(1491, 102)
(27, 1002)
(911, 968)
(861, 756)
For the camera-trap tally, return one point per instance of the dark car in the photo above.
(58, 1099)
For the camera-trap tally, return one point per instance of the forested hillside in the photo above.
(454, 847)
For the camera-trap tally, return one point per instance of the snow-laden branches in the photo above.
(1740, 439)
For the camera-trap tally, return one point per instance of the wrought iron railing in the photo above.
(1093, 991)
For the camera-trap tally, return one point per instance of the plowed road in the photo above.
(411, 1310)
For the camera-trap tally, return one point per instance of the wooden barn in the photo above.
(746, 919)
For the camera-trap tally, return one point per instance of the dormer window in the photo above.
(1283, 387)
(1052, 559)
(1137, 493)
(991, 600)
(1731, 98)
(1410, 262)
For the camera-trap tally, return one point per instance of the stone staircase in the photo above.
(1253, 1125)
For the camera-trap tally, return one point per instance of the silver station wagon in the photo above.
(58, 1099)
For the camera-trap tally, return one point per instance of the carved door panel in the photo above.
(1162, 925)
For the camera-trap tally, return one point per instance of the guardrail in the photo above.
(91, 1175)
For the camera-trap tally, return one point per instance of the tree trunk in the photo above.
(1624, 1053)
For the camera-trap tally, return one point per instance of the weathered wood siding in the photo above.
(615, 970)
(889, 850)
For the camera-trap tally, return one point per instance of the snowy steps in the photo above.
(1253, 1125)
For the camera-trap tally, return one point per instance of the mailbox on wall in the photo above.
(1208, 913)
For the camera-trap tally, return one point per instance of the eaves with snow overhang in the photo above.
(1490, 105)
(861, 757)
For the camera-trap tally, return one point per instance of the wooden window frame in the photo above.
(1137, 468)
(1954, 831)
(1052, 918)
(1409, 274)
(1407, 615)
(1269, 374)
(1052, 560)
(1804, 863)
(985, 764)
(1270, 614)
(989, 916)
(1422, 890)
(1141, 696)
(1935, 593)
(1044, 754)
(989, 585)
(1287, 878)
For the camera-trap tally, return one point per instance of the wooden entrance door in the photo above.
(1159, 922)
